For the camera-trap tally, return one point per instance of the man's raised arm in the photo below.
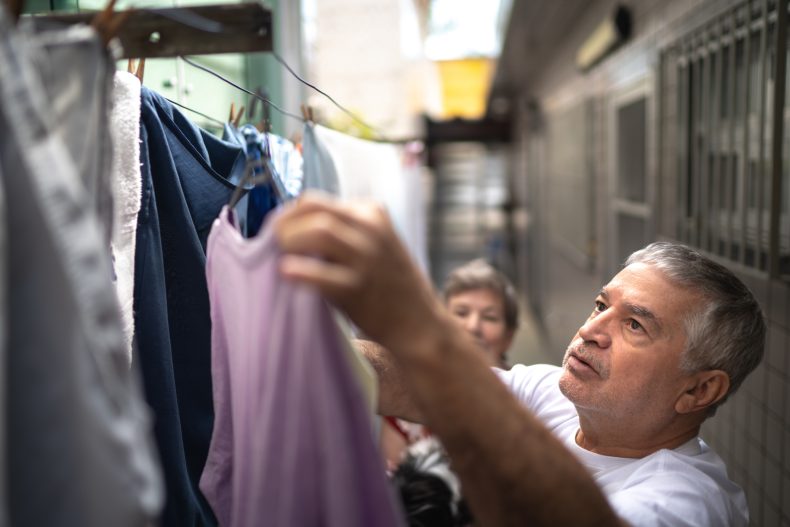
(513, 471)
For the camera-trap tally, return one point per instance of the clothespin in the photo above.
(253, 104)
(307, 113)
(107, 22)
(139, 71)
(235, 118)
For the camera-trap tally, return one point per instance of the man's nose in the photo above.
(597, 330)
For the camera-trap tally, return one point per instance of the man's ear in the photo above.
(704, 389)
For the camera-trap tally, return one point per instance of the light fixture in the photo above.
(608, 35)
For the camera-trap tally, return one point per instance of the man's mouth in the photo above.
(581, 361)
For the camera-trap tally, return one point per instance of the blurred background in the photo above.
(558, 136)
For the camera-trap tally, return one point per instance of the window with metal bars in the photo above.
(725, 149)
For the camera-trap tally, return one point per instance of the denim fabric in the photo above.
(185, 184)
(78, 446)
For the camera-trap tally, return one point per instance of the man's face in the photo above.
(481, 312)
(625, 360)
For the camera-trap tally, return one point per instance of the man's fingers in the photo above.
(325, 235)
(361, 214)
(333, 281)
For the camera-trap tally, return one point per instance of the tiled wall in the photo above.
(752, 431)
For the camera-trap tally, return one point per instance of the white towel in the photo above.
(127, 192)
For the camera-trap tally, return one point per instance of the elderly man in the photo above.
(611, 438)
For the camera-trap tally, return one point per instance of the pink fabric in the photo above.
(292, 443)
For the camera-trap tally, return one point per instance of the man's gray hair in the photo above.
(479, 274)
(727, 332)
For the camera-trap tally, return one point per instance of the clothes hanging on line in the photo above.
(79, 104)
(186, 173)
(291, 422)
(77, 433)
(126, 191)
(320, 172)
(286, 182)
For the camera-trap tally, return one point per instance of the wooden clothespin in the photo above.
(235, 118)
(108, 23)
(307, 113)
(138, 71)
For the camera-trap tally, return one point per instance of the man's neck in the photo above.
(622, 441)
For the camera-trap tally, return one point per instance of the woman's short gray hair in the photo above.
(479, 274)
(728, 331)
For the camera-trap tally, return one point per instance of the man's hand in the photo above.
(355, 259)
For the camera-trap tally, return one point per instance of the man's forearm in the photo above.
(512, 469)
(394, 398)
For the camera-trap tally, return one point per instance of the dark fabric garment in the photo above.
(185, 171)
(262, 198)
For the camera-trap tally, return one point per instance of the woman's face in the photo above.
(482, 313)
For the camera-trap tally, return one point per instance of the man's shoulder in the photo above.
(689, 482)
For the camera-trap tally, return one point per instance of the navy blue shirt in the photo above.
(185, 173)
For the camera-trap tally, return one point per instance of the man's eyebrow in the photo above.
(646, 315)
(640, 311)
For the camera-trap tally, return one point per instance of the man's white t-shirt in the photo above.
(687, 485)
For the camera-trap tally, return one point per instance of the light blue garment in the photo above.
(284, 163)
(319, 168)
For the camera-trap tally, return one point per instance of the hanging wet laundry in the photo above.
(186, 173)
(319, 168)
(286, 169)
(127, 192)
(78, 447)
(261, 199)
(292, 442)
(379, 171)
(79, 102)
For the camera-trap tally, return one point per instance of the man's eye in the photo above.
(600, 306)
(633, 324)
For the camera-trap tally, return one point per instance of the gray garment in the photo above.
(79, 448)
(319, 168)
(78, 102)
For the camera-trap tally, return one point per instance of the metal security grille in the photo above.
(723, 116)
